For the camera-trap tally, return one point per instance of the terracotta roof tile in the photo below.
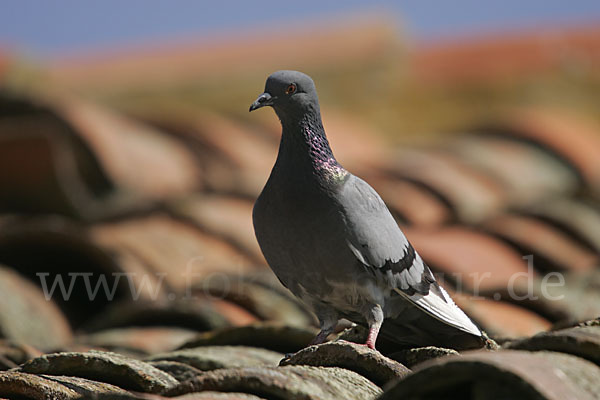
(472, 194)
(13, 353)
(506, 373)
(571, 137)
(582, 341)
(580, 294)
(417, 355)
(467, 258)
(80, 155)
(262, 300)
(185, 314)
(208, 358)
(367, 362)
(235, 314)
(235, 158)
(290, 382)
(27, 316)
(527, 172)
(226, 217)
(498, 57)
(411, 202)
(173, 248)
(268, 335)
(211, 395)
(106, 367)
(552, 250)
(18, 385)
(501, 319)
(578, 218)
(50, 250)
(119, 143)
(145, 340)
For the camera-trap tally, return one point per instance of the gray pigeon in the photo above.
(331, 240)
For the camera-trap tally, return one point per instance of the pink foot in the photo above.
(369, 344)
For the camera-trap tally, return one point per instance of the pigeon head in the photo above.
(290, 93)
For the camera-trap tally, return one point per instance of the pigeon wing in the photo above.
(378, 243)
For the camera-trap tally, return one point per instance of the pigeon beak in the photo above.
(264, 99)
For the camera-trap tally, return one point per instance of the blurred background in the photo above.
(128, 158)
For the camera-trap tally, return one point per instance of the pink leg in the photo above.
(374, 317)
(372, 338)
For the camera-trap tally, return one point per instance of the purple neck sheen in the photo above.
(304, 141)
(320, 152)
(316, 146)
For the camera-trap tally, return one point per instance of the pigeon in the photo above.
(331, 240)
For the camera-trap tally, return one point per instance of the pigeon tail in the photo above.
(441, 323)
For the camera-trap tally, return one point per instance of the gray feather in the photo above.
(377, 241)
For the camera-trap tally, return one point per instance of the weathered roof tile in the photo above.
(145, 340)
(27, 316)
(268, 335)
(550, 249)
(289, 382)
(369, 363)
(112, 368)
(501, 374)
(581, 341)
(207, 358)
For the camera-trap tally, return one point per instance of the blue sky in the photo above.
(54, 27)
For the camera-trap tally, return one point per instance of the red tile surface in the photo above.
(26, 316)
(573, 137)
(411, 202)
(553, 249)
(149, 340)
(125, 147)
(172, 248)
(502, 319)
(579, 218)
(235, 314)
(472, 194)
(50, 250)
(472, 258)
(507, 56)
(226, 217)
(528, 174)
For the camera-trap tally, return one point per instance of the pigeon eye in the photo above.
(290, 89)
